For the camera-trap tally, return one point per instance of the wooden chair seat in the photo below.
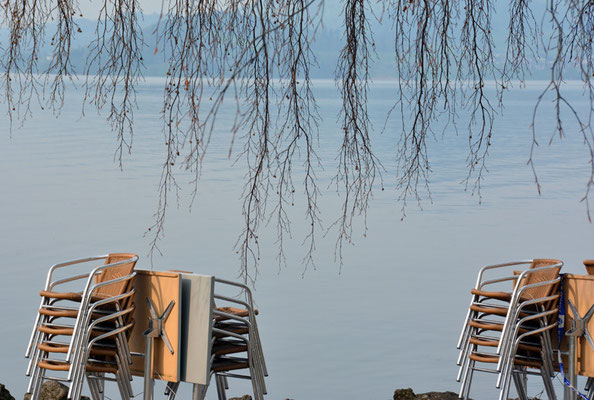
(65, 331)
(238, 312)
(503, 296)
(57, 313)
(69, 313)
(495, 359)
(238, 329)
(223, 347)
(68, 331)
(71, 296)
(495, 343)
(64, 366)
(486, 326)
(63, 348)
(494, 310)
(223, 365)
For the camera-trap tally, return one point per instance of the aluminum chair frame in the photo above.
(256, 374)
(78, 365)
(546, 358)
(251, 324)
(519, 324)
(122, 356)
(479, 284)
(117, 314)
(123, 375)
(546, 370)
(257, 371)
(251, 309)
(547, 346)
(36, 337)
(516, 311)
(85, 312)
(515, 297)
(509, 330)
(513, 313)
(49, 286)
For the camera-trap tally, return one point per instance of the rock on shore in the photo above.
(408, 394)
(52, 390)
(4, 393)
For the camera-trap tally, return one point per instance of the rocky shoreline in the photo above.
(56, 391)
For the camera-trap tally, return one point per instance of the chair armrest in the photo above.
(69, 263)
(495, 266)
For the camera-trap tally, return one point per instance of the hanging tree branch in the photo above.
(114, 67)
(575, 47)
(251, 46)
(423, 51)
(298, 119)
(358, 167)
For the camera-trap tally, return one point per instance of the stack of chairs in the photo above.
(236, 349)
(236, 342)
(508, 332)
(82, 327)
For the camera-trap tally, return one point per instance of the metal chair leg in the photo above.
(36, 393)
(220, 387)
(199, 391)
(94, 387)
(466, 377)
(520, 384)
(548, 384)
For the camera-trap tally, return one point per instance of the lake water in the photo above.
(390, 318)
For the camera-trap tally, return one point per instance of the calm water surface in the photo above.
(389, 319)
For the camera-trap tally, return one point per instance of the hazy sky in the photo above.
(332, 9)
(90, 9)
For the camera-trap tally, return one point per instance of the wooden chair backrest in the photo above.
(541, 276)
(115, 272)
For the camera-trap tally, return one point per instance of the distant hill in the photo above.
(326, 47)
